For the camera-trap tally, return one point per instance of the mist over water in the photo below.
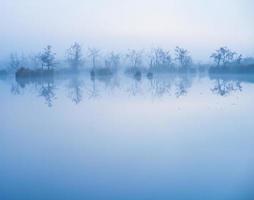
(126, 100)
(122, 137)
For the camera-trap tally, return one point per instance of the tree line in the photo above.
(157, 59)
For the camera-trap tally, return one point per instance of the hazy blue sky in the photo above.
(199, 25)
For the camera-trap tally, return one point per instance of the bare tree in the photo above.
(74, 56)
(15, 62)
(160, 58)
(47, 58)
(223, 56)
(113, 61)
(35, 61)
(94, 54)
(135, 58)
(239, 59)
(183, 57)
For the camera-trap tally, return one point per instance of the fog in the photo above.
(170, 137)
(134, 99)
(200, 26)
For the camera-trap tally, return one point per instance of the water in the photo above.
(171, 137)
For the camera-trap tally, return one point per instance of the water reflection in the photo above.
(135, 87)
(75, 89)
(80, 86)
(44, 87)
(16, 88)
(224, 87)
(47, 91)
(182, 85)
(151, 135)
(177, 85)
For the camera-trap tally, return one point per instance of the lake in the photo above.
(122, 137)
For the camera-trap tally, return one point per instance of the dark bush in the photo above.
(233, 69)
(149, 75)
(29, 73)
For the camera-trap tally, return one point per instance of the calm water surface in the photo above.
(170, 137)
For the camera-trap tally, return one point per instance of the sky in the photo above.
(198, 25)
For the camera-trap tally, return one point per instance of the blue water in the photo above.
(172, 137)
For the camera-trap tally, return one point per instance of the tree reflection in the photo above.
(135, 87)
(182, 85)
(43, 85)
(16, 89)
(93, 92)
(160, 87)
(102, 83)
(224, 87)
(47, 92)
(75, 90)
(157, 85)
(180, 90)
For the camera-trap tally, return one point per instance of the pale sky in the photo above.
(198, 25)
